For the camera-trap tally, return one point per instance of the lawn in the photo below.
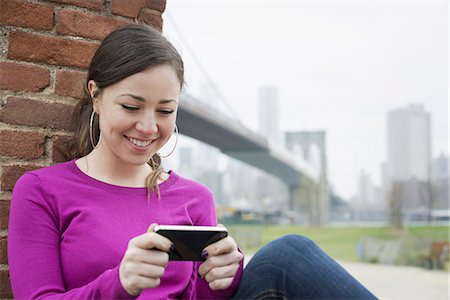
(338, 242)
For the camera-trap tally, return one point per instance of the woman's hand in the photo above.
(144, 262)
(222, 263)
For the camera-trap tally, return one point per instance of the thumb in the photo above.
(151, 228)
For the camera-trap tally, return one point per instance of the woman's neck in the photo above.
(102, 166)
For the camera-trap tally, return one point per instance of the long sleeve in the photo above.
(205, 214)
(34, 250)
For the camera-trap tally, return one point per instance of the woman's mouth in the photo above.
(139, 143)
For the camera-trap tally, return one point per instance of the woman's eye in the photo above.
(130, 108)
(166, 112)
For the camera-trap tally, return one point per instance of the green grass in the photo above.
(339, 242)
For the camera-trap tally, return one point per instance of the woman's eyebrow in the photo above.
(164, 101)
(141, 99)
(138, 98)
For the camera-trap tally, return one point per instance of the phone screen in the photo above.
(189, 241)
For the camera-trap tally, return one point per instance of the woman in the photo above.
(85, 228)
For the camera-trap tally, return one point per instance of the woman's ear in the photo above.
(93, 92)
(92, 88)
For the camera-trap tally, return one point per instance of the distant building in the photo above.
(368, 201)
(311, 145)
(208, 156)
(439, 167)
(368, 193)
(185, 158)
(268, 113)
(440, 181)
(408, 165)
(409, 143)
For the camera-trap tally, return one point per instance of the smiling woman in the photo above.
(93, 217)
(135, 120)
(118, 78)
(85, 229)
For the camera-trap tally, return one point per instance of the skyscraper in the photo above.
(408, 143)
(408, 164)
(268, 113)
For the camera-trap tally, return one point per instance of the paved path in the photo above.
(399, 282)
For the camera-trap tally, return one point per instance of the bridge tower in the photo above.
(310, 200)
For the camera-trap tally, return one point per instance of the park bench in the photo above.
(437, 256)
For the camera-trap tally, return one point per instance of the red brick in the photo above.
(70, 83)
(127, 8)
(25, 14)
(132, 8)
(62, 148)
(23, 111)
(27, 145)
(19, 77)
(92, 4)
(149, 17)
(3, 251)
(10, 174)
(5, 291)
(4, 214)
(50, 50)
(71, 22)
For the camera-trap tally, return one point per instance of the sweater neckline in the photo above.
(118, 188)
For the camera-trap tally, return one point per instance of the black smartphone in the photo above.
(189, 241)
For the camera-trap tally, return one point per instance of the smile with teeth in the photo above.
(139, 143)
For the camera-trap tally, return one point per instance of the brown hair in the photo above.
(124, 52)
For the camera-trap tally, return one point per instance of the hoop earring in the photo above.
(173, 149)
(91, 130)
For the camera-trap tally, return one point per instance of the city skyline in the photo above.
(338, 66)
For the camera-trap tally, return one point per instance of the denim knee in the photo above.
(292, 241)
(296, 268)
(297, 239)
(281, 251)
(278, 266)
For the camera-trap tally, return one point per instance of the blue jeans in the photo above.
(294, 267)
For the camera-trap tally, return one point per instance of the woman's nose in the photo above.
(147, 125)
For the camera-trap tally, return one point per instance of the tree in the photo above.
(395, 205)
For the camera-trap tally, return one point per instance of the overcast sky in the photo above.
(340, 66)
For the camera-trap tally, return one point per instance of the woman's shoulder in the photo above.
(56, 170)
(52, 173)
(37, 185)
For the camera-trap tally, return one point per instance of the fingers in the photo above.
(220, 253)
(221, 272)
(221, 276)
(136, 275)
(224, 245)
(222, 263)
(137, 283)
(152, 227)
(144, 261)
(155, 257)
(147, 270)
(233, 258)
(221, 284)
(151, 240)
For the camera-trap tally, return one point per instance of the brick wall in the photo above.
(45, 48)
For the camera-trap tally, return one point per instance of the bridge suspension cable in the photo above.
(210, 82)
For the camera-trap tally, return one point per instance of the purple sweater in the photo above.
(68, 233)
